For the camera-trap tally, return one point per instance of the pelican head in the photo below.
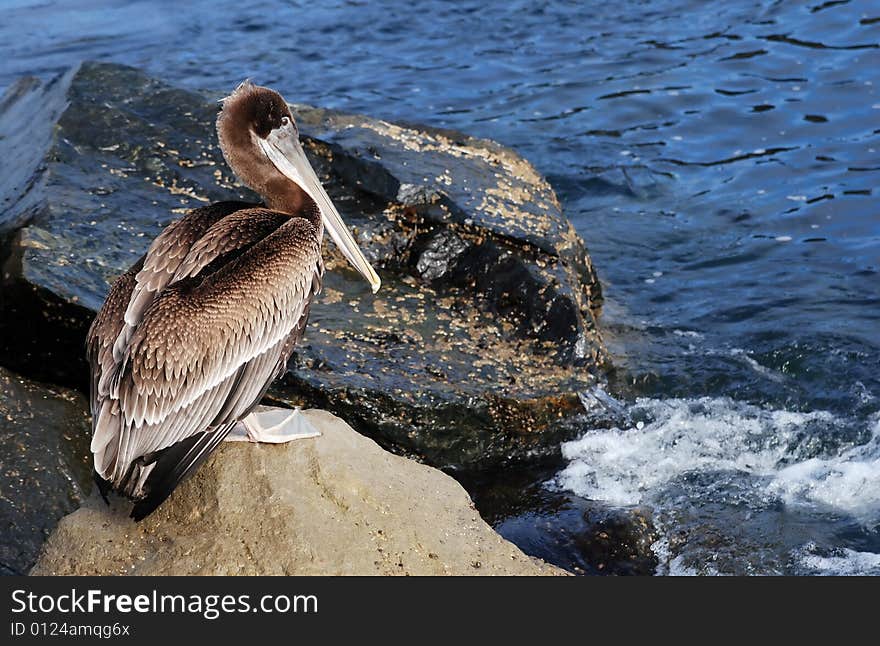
(260, 142)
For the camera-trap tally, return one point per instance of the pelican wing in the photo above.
(208, 343)
(135, 290)
(169, 250)
(160, 265)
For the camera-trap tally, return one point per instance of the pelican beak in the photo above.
(283, 149)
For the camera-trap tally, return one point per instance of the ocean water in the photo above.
(738, 487)
(721, 160)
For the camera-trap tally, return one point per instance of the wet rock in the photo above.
(29, 109)
(470, 354)
(336, 504)
(441, 253)
(582, 536)
(44, 439)
(616, 541)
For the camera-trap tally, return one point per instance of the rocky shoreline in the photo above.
(469, 358)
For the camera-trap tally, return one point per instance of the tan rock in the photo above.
(337, 504)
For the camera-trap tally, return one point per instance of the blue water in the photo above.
(721, 160)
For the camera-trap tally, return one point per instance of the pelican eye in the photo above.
(285, 121)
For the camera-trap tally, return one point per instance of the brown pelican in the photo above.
(191, 336)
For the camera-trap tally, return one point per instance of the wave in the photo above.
(811, 462)
(837, 562)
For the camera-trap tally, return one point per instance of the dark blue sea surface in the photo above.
(722, 162)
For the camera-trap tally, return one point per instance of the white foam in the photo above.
(754, 365)
(849, 481)
(673, 565)
(688, 333)
(840, 562)
(625, 466)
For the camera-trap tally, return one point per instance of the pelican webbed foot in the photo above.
(273, 426)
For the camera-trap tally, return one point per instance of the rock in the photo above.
(44, 439)
(29, 110)
(586, 538)
(471, 353)
(337, 504)
(579, 535)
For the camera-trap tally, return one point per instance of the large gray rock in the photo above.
(470, 354)
(336, 504)
(30, 110)
(44, 439)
